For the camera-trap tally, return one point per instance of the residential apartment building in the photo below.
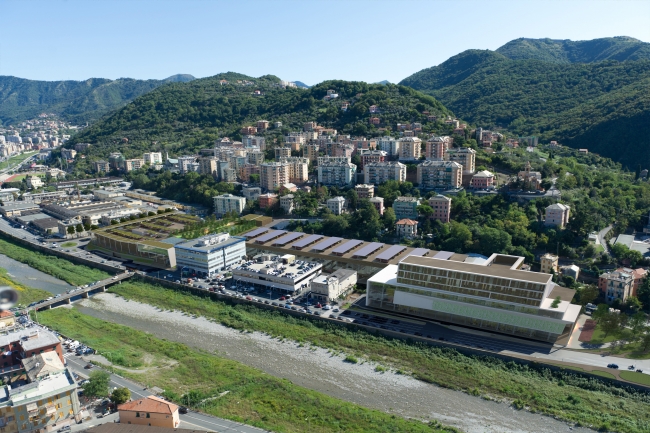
(368, 156)
(298, 169)
(557, 215)
(152, 158)
(337, 159)
(282, 152)
(287, 203)
(482, 180)
(255, 157)
(337, 173)
(273, 175)
(228, 203)
(406, 207)
(210, 254)
(247, 170)
(251, 192)
(406, 228)
(34, 182)
(439, 175)
(133, 164)
(365, 191)
(208, 165)
(549, 262)
(376, 173)
(185, 164)
(336, 205)
(616, 285)
(441, 206)
(253, 141)
(436, 147)
(115, 160)
(68, 153)
(378, 203)
(262, 125)
(410, 148)
(267, 200)
(311, 152)
(150, 411)
(464, 156)
(494, 295)
(102, 166)
(389, 145)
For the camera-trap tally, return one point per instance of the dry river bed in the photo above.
(324, 372)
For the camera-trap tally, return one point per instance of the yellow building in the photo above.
(151, 411)
(549, 261)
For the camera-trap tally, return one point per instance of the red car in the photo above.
(249, 298)
(282, 298)
(319, 305)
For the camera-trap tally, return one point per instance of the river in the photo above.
(320, 370)
(31, 277)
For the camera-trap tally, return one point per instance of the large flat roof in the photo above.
(494, 270)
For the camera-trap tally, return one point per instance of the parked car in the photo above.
(614, 366)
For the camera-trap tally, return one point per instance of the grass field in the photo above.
(603, 374)
(15, 159)
(69, 244)
(26, 295)
(539, 389)
(253, 397)
(633, 376)
(60, 268)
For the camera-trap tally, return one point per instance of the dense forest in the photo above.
(74, 101)
(577, 104)
(185, 117)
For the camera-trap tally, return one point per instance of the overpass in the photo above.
(84, 293)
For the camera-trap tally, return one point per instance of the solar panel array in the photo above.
(270, 235)
(419, 252)
(256, 232)
(302, 243)
(288, 238)
(322, 246)
(346, 247)
(368, 249)
(390, 253)
(443, 255)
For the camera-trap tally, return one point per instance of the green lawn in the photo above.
(69, 244)
(16, 159)
(252, 397)
(540, 389)
(603, 374)
(599, 336)
(633, 376)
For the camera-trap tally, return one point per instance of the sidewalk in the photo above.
(574, 340)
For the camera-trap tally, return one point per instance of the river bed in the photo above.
(324, 372)
(31, 277)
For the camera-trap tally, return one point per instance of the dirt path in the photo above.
(326, 372)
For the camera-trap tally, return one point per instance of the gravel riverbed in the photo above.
(320, 370)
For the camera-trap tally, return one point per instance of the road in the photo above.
(601, 238)
(191, 420)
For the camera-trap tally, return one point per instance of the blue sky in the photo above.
(308, 40)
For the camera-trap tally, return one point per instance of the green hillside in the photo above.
(570, 102)
(184, 117)
(621, 48)
(77, 101)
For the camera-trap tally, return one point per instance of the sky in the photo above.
(306, 40)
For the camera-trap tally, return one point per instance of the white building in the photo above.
(327, 288)
(251, 192)
(185, 164)
(336, 205)
(34, 182)
(227, 202)
(209, 254)
(375, 173)
(152, 158)
(389, 145)
(274, 272)
(287, 203)
(557, 215)
(337, 173)
(406, 228)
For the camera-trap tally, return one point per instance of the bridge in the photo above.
(84, 293)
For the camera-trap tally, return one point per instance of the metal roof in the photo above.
(256, 232)
(346, 247)
(419, 252)
(288, 238)
(368, 249)
(306, 241)
(443, 255)
(390, 253)
(270, 236)
(322, 246)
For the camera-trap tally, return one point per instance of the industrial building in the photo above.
(283, 273)
(491, 294)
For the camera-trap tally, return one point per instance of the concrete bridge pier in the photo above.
(84, 295)
(68, 301)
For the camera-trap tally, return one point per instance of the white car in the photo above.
(327, 307)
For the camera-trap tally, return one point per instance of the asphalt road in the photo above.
(191, 420)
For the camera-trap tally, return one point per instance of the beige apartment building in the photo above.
(365, 191)
(439, 175)
(549, 262)
(150, 411)
(410, 148)
(208, 165)
(273, 175)
(311, 152)
(298, 169)
(378, 172)
(557, 215)
(255, 157)
(436, 147)
(282, 152)
(463, 156)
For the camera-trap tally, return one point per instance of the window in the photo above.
(148, 415)
(137, 414)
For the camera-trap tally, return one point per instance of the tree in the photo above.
(637, 324)
(389, 219)
(80, 228)
(120, 395)
(643, 293)
(70, 230)
(97, 385)
(255, 178)
(601, 311)
(645, 339)
(353, 199)
(556, 302)
(610, 323)
(425, 210)
(493, 240)
(588, 294)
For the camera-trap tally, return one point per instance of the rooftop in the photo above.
(210, 243)
(112, 427)
(36, 338)
(149, 404)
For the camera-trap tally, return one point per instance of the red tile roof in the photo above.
(149, 404)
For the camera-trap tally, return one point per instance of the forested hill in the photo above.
(578, 104)
(76, 101)
(185, 117)
(621, 48)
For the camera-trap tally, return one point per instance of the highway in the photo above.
(191, 420)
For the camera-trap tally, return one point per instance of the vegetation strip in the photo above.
(536, 388)
(26, 294)
(253, 397)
